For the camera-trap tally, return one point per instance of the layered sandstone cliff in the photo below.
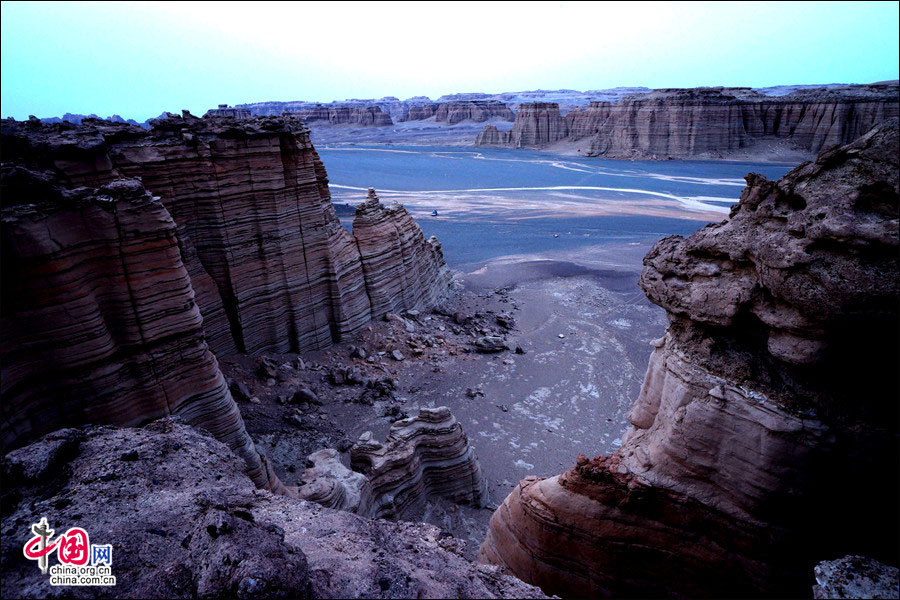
(99, 322)
(114, 300)
(774, 385)
(462, 110)
(255, 219)
(711, 122)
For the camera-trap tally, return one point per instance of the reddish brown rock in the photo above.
(402, 270)
(253, 208)
(99, 321)
(771, 396)
(491, 136)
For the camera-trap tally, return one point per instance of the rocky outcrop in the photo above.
(769, 388)
(536, 124)
(491, 136)
(100, 323)
(401, 268)
(856, 577)
(423, 456)
(714, 122)
(252, 205)
(458, 111)
(208, 533)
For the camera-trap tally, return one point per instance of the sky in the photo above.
(139, 59)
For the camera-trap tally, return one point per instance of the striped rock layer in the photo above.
(114, 303)
(704, 122)
(764, 438)
(274, 268)
(426, 456)
(99, 322)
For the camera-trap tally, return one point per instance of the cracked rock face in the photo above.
(210, 532)
(775, 381)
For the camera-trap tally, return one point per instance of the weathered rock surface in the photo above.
(251, 201)
(709, 122)
(776, 380)
(423, 456)
(460, 110)
(100, 323)
(401, 269)
(205, 531)
(491, 136)
(856, 577)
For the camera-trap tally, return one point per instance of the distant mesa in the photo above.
(229, 112)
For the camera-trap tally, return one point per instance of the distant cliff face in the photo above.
(104, 290)
(461, 110)
(774, 384)
(362, 113)
(359, 116)
(536, 124)
(710, 122)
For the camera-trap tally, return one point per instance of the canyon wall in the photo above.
(458, 111)
(115, 301)
(275, 269)
(99, 322)
(764, 438)
(708, 122)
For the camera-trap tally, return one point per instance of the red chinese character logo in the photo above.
(74, 547)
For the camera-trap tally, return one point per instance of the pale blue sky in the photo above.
(138, 59)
